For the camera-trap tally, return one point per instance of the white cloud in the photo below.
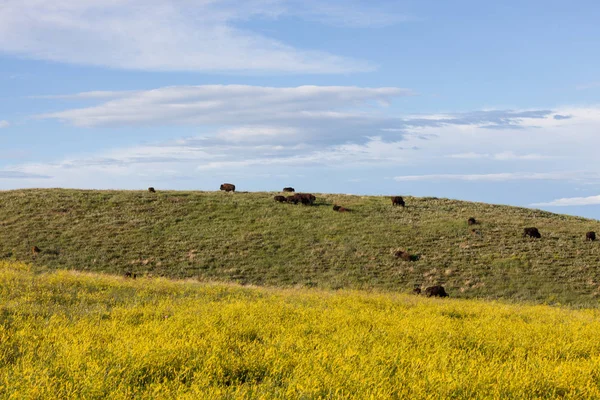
(222, 104)
(571, 201)
(7, 174)
(498, 177)
(504, 156)
(590, 85)
(182, 35)
(4, 124)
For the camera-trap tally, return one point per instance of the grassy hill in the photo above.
(250, 239)
(71, 335)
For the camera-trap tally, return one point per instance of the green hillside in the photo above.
(250, 239)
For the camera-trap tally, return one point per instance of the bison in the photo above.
(292, 199)
(436, 291)
(151, 190)
(340, 208)
(532, 232)
(289, 189)
(130, 275)
(417, 290)
(228, 187)
(472, 221)
(590, 236)
(305, 198)
(280, 199)
(406, 256)
(398, 201)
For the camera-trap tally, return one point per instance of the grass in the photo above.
(66, 334)
(248, 238)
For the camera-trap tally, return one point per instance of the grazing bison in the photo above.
(472, 221)
(417, 290)
(405, 256)
(289, 189)
(398, 201)
(280, 199)
(292, 199)
(130, 275)
(436, 291)
(532, 232)
(590, 236)
(305, 198)
(151, 190)
(35, 250)
(336, 207)
(228, 187)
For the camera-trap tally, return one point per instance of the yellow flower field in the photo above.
(73, 335)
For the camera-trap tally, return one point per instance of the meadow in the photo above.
(66, 334)
(248, 238)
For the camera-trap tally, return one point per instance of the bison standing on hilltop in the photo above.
(292, 199)
(436, 291)
(590, 236)
(280, 199)
(398, 201)
(289, 189)
(151, 190)
(228, 187)
(532, 233)
(304, 198)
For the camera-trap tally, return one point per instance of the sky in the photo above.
(497, 102)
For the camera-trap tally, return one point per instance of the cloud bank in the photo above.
(570, 201)
(177, 35)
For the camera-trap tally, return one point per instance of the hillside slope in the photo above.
(248, 238)
(69, 335)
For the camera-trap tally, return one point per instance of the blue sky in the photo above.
(485, 101)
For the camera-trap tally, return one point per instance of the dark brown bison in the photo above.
(417, 290)
(305, 198)
(436, 291)
(398, 201)
(151, 190)
(590, 236)
(340, 209)
(280, 199)
(289, 189)
(532, 232)
(35, 250)
(130, 275)
(228, 187)
(472, 221)
(292, 199)
(406, 256)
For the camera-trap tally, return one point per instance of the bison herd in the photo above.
(309, 199)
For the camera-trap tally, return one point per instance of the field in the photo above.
(247, 238)
(79, 335)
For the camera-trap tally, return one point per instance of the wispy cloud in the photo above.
(21, 175)
(221, 104)
(570, 201)
(498, 177)
(167, 35)
(504, 156)
(4, 124)
(590, 85)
